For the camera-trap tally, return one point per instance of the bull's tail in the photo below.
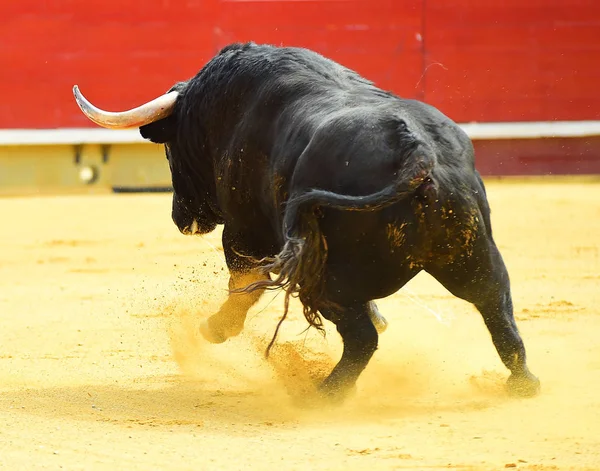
(301, 263)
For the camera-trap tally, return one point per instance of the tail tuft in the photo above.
(300, 269)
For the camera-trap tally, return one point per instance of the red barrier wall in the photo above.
(484, 60)
(513, 60)
(560, 156)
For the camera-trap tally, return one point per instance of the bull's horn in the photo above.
(147, 113)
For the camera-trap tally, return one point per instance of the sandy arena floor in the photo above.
(100, 367)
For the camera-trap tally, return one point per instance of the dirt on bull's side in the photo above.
(101, 366)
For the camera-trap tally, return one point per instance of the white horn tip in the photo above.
(150, 112)
(77, 94)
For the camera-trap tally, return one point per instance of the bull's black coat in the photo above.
(346, 191)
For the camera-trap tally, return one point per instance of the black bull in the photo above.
(341, 190)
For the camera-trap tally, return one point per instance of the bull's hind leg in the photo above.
(482, 280)
(229, 320)
(360, 342)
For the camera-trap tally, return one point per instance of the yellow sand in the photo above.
(101, 367)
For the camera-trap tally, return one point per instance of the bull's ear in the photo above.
(160, 131)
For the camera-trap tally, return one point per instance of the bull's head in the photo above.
(193, 205)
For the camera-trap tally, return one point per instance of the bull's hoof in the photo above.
(379, 322)
(523, 385)
(211, 335)
(335, 394)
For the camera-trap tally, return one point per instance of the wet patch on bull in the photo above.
(279, 193)
(446, 232)
(415, 263)
(396, 234)
(469, 232)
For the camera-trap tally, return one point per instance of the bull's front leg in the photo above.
(229, 320)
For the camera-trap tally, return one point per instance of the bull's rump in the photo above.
(376, 253)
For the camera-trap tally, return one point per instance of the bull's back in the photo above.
(311, 123)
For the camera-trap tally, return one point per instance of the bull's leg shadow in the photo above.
(360, 338)
(482, 279)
